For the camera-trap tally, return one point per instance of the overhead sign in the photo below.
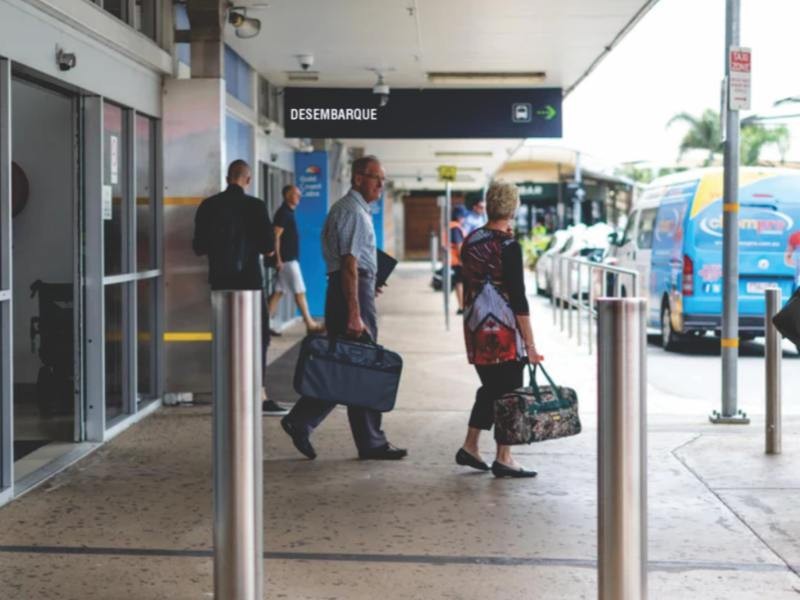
(447, 173)
(430, 113)
(739, 81)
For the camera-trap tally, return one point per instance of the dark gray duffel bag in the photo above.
(348, 372)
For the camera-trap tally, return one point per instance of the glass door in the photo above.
(6, 344)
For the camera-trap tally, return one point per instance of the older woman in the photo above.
(497, 326)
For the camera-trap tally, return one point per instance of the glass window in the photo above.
(145, 319)
(184, 51)
(114, 187)
(144, 17)
(118, 8)
(145, 194)
(238, 77)
(114, 350)
(644, 239)
(238, 140)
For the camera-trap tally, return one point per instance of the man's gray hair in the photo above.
(360, 165)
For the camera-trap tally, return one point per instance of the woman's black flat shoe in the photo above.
(466, 459)
(500, 470)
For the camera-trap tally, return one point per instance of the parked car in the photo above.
(674, 241)
(591, 243)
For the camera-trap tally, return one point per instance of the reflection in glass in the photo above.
(145, 194)
(145, 299)
(114, 350)
(114, 181)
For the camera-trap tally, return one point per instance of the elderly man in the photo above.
(348, 245)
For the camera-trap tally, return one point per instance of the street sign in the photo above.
(739, 82)
(428, 113)
(447, 173)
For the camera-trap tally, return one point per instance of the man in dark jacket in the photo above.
(234, 230)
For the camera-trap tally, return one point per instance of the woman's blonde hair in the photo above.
(502, 200)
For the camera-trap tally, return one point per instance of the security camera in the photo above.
(382, 91)
(306, 61)
(65, 60)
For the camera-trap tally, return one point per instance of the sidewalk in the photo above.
(133, 520)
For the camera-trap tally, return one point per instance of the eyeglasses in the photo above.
(380, 179)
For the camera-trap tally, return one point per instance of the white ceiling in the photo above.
(408, 38)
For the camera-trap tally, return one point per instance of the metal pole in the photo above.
(446, 272)
(434, 251)
(579, 302)
(589, 327)
(569, 297)
(561, 266)
(238, 459)
(730, 240)
(553, 265)
(622, 450)
(773, 353)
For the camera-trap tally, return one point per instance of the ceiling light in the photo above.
(464, 153)
(302, 75)
(487, 78)
(246, 27)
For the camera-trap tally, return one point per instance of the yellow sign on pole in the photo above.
(447, 173)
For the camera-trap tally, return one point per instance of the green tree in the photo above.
(703, 133)
(755, 136)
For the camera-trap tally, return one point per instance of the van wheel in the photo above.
(669, 339)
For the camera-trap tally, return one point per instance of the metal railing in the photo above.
(568, 292)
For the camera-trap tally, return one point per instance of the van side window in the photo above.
(626, 236)
(647, 222)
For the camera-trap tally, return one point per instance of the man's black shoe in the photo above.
(299, 440)
(466, 459)
(387, 452)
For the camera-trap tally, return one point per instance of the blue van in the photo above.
(674, 240)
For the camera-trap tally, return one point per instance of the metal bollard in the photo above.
(773, 354)
(589, 317)
(434, 251)
(238, 459)
(553, 264)
(561, 268)
(622, 450)
(579, 304)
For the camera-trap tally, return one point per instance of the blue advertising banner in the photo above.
(427, 113)
(311, 176)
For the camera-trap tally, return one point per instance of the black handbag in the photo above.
(787, 320)
(343, 371)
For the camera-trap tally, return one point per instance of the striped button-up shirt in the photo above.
(348, 229)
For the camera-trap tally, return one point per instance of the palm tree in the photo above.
(704, 133)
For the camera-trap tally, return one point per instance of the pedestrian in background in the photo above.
(476, 217)
(234, 231)
(287, 259)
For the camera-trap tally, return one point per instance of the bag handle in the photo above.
(535, 386)
(365, 338)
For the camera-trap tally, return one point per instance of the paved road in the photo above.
(696, 371)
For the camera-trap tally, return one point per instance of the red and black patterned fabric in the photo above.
(490, 324)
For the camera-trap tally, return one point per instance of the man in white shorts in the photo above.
(287, 247)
